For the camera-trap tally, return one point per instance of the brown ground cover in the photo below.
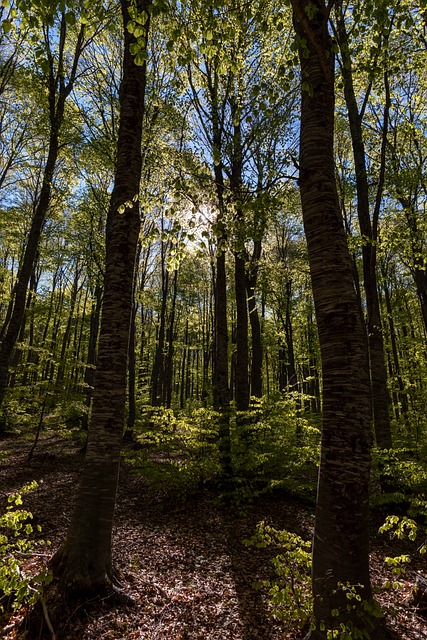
(183, 562)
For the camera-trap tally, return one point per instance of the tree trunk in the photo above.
(84, 563)
(167, 387)
(158, 365)
(368, 228)
(89, 377)
(341, 537)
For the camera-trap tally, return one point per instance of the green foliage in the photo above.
(290, 592)
(400, 480)
(176, 452)
(403, 528)
(276, 447)
(19, 584)
(273, 447)
(366, 612)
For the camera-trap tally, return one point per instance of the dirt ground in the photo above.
(183, 562)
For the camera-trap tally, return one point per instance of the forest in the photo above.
(213, 319)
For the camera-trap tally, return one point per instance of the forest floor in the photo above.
(183, 561)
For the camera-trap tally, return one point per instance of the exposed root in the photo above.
(48, 622)
(51, 616)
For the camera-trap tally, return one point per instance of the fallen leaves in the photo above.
(187, 568)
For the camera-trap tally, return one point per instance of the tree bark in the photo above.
(256, 337)
(84, 562)
(378, 370)
(341, 538)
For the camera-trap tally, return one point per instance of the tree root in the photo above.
(50, 617)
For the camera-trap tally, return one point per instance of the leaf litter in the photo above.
(182, 561)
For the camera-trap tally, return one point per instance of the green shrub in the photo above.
(290, 593)
(18, 584)
(177, 452)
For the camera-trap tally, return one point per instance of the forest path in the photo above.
(183, 562)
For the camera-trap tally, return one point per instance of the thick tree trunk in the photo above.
(84, 563)
(341, 538)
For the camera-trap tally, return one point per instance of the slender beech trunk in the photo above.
(89, 376)
(157, 374)
(184, 370)
(256, 338)
(167, 387)
(368, 228)
(418, 267)
(341, 536)
(241, 377)
(67, 333)
(132, 359)
(221, 390)
(403, 398)
(17, 354)
(59, 90)
(84, 562)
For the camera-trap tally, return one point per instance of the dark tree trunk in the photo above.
(256, 337)
(89, 376)
(184, 370)
(241, 377)
(241, 374)
(167, 387)
(67, 333)
(341, 537)
(84, 563)
(403, 398)
(157, 374)
(368, 228)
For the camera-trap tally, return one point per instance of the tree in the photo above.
(341, 540)
(60, 82)
(84, 563)
(369, 229)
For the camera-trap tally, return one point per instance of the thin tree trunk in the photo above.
(368, 228)
(157, 374)
(256, 340)
(167, 387)
(89, 376)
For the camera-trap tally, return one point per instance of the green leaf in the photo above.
(7, 25)
(70, 18)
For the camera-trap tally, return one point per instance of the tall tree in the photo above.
(341, 539)
(60, 78)
(369, 230)
(84, 563)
